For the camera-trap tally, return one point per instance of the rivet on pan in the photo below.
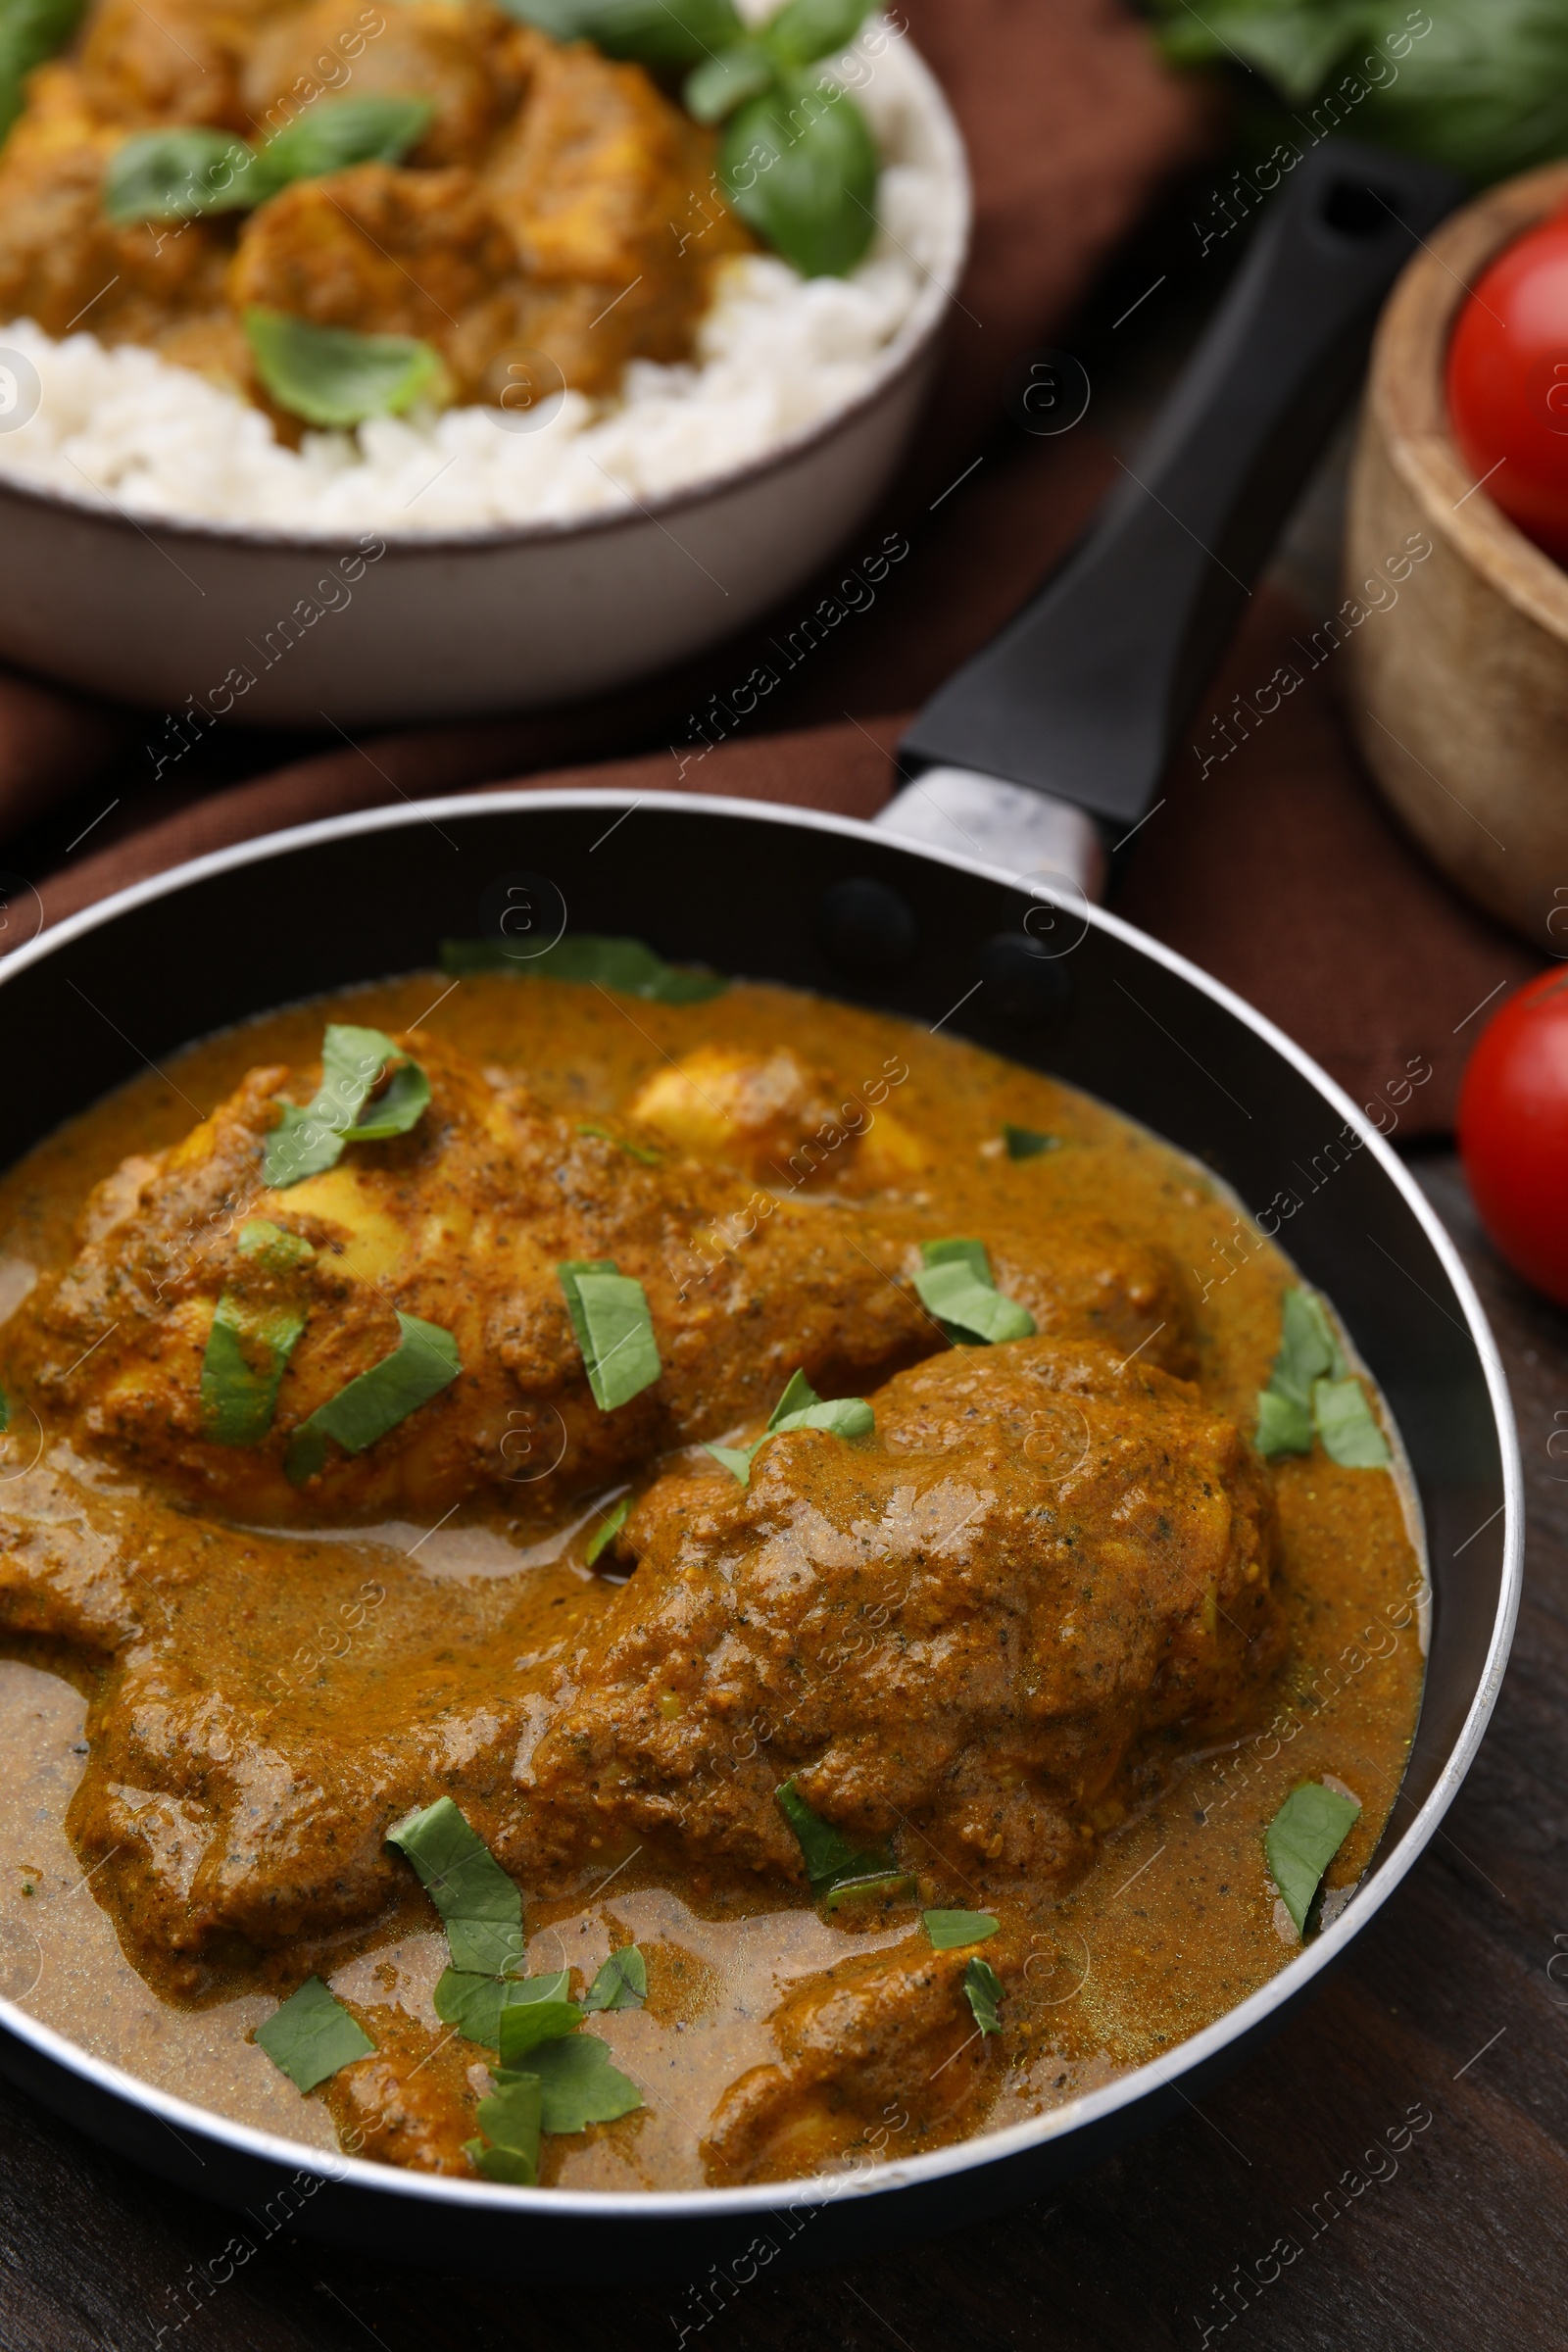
(864, 928)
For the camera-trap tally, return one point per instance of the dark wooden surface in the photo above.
(1446, 2010)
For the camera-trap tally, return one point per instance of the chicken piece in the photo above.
(467, 59)
(878, 2053)
(781, 1121)
(411, 2103)
(173, 61)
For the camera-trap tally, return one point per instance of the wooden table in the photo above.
(1446, 2010)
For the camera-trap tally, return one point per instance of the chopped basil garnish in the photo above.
(800, 167)
(306, 1143)
(623, 964)
(275, 1251)
(480, 1906)
(425, 1361)
(799, 1407)
(721, 83)
(1303, 1839)
(832, 1861)
(609, 1528)
(312, 2035)
(31, 31)
(184, 171)
(948, 1929)
(956, 1285)
(649, 1159)
(1311, 1386)
(510, 2119)
(247, 1350)
(1023, 1142)
(621, 1984)
(580, 2084)
(332, 376)
(655, 32)
(473, 2004)
(337, 133)
(541, 2016)
(614, 1329)
(886, 1882)
(1348, 1427)
(983, 1986)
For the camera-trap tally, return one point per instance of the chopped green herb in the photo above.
(580, 2085)
(623, 964)
(306, 1143)
(830, 1857)
(621, 1984)
(799, 1407)
(179, 173)
(1303, 1839)
(473, 2004)
(649, 1159)
(425, 1361)
(609, 1528)
(800, 167)
(312, 2035)
(956, 1284)
(511, 2120)
(1283, 1425)
(614, 1329)
(248, 1347)
(480, 1906)
(948, 1929)
(721, 83)
(983, 1986)
(5, 1412)
(337, 133)
(332, 376)
(1024, 1144)
(803, 30)
(31, 31)
(884, 1883)
(275, 1251)
(655, 32)
(1348, 1427)
(546, 2017)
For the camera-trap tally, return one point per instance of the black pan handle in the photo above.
(1085, 695)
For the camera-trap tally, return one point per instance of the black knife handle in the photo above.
(1085, 694)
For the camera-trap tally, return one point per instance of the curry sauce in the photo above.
(1045, 1631)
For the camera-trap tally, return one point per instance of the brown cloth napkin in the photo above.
(1276, 869)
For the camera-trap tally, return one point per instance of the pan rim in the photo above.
(1127, 2090)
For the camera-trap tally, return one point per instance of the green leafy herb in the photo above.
(1348, 1427)
(354, 1062)
(621, 1984)
(609, 1528)
(721, 83)
(956, 1284)
(1303, 1839)
(983, 1986)
(831, 1859)
(800, 167)
(543, 2016)
(612, 1327)
(884, 1883)
(804, 31)
(948, 1929)
(275, 1251)
(655, 32)
(425, 1361)
(579, 2083)
(336, 132)
(510, 2119)
(247, 1350)
(31, 31)
(649, 1159)
(473, 2004)
(623, 964)
(5, 1412)
(312, 2035)
(799, 1407)
(1283, 1425)
(179, 174)
(332, 376)
(1023, 1142)
(480, 1906)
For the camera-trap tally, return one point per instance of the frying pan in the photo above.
(945, 938)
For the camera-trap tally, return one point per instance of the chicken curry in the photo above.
(649, 1585)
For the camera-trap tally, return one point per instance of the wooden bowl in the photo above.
(1458, 662)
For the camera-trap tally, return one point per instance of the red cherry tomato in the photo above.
(1508, 384)
(1513, 1131)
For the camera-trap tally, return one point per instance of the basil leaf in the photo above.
(1303, 1839)
(579, 2083)
(179, 174)
(473, 2004)
(623, 964)
(621, 1984)
(524, 2024)
(799, 1407)
(719, 84)
(948, 1929)
(480, 1906)
(275, 1251)
(1283, 1425)
(655, 32)
(736, 1459)
(609, 1528)
(306, 1143)
(246, 1348)
(956, 1284)
(312, 2035)
(806, 29)
(800, 167)
(5, 1412)
(335, 133)
(983, 1986)
(1308, 1348)
(425, 1361)
(829, 1856)
(614, 1329)
(510, 2119)
(1348, 1427)
(649, 1159)
(855, 1890)
(1023, 1142)
(31, 31)
(332, 376)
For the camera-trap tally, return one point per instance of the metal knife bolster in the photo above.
(1013, 825)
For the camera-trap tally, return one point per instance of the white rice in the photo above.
(776, 354)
